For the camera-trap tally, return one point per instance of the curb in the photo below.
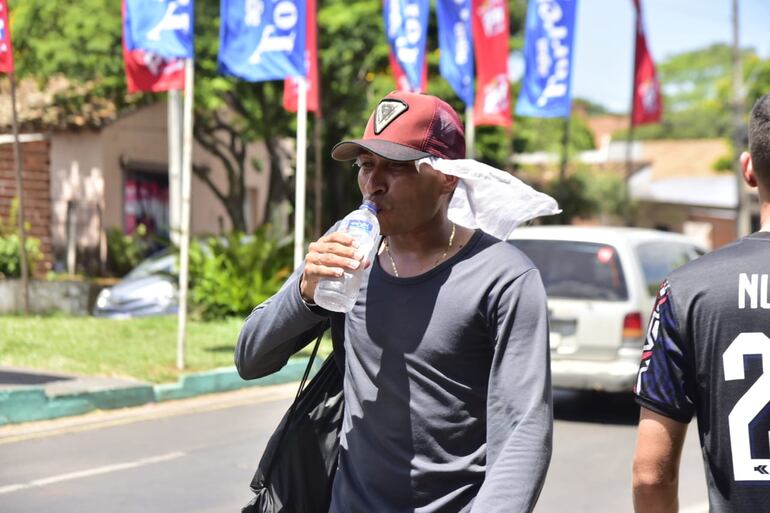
(32, 403)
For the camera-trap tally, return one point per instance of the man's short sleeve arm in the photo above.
(665, 373)
(519, 404)
(276, 329)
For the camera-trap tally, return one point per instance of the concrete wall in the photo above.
(77, 175)
(89, 167)
(142, 136)
(690, 221)
(45, 297)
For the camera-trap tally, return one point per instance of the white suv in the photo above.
(601, 284)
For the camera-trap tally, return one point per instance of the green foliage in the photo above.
(587, 193)
(10, 244)
(125, 251)
(10, 262)
(535, 134)
(79, 40)
(82, 40)
(229, 276)
(697, 87)
(605, 189)
(724, 164)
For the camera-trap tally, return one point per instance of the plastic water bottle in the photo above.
(339, 294)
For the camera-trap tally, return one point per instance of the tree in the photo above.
(70, 39)
(356, 74)
(229, 114)
(52, 40)
(697, 87)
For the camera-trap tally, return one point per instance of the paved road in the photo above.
(198, 456)
(594, 442)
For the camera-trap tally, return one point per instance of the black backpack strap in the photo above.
(290, 414)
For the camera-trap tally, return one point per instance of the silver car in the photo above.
(601, 284)
(149, 289)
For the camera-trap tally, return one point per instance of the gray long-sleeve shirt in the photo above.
(447, 382)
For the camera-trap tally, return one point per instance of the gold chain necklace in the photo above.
(439, 259)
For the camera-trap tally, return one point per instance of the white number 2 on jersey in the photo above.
(746, 468)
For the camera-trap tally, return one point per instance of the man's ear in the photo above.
(747, 168)
(450, 183)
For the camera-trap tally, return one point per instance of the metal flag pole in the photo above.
(565, 148)
(20, 191)
(318, 182)
(184, 246)
(470, 133)
(174, 163)
(627, 212)
(299, 186)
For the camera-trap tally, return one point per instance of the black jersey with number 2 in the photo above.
(707, 353)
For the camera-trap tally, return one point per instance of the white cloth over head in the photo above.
(489, 198)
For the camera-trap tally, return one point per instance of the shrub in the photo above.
(587, 193)
(10, 260)
(230, 275)
(124, 251)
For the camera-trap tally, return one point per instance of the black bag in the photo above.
(296, 471)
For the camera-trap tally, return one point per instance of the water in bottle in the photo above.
(339, 294)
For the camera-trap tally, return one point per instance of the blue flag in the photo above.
(455, 40)
(406, 26)
(163, 27)
(546, 91)
(262, 39)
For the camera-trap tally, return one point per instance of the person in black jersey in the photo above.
(707, 353)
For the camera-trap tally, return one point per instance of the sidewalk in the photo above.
(28, 395)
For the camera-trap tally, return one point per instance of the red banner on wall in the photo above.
(290, 85)
(647, 102)
(146, 71)
(490, 42)
(6, 49)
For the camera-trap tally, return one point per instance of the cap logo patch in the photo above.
(386, 112)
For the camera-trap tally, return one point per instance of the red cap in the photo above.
(408, 126)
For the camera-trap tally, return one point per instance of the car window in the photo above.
(577, 270)
(658, 259)
(160, 263)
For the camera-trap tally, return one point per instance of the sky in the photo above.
(604, 34)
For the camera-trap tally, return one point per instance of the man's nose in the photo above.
(376, 182)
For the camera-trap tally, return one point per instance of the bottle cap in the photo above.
(369, 205)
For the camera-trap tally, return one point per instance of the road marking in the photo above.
(109, 418)
(702, 507)
(90, 472)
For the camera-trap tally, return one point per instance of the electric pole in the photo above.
(742, 215)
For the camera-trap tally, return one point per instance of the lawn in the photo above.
(143, 348)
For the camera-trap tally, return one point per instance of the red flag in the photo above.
(647, 101)
(490, 35)
(146, 71)
(402, 83)
(290, 85)
(6, 49)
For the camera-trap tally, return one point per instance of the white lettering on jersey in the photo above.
(755, 289)
(749, 406)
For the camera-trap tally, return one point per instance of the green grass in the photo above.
(142, 348)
